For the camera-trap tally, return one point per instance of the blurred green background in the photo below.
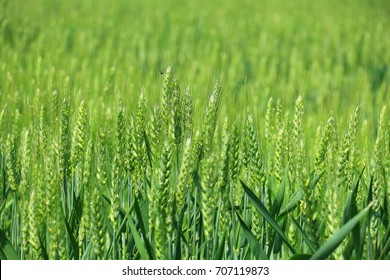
(334, 53)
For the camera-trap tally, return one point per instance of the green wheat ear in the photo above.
(115, 193)
(207, 199)
(56, 227)
(234, 164)
(65, 142)
(353, 132)
(97, 210)
(279, 155)
(256, 171)
(177, 105)
(34, 219)
(122, 141)
(188, 113)
(166, 98)
(154, 135)
(210, 119)
(269, 122)
(224, 180)
(163, 200)
(313, 204)
(322, 150)
(11, 162)
(184, 180)
(139, 144)
(85, 223)
(79, 141)
(37, 214)
(299, 141)
(42, 132)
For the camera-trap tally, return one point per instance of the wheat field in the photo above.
(194, 130)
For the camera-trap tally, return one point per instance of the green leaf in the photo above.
(117, 233)
(277, 240)
(385, 215)
(304, 235)
(385, 244)
(75, 215)
(257, 250)
(141, 216)
(45, 255)
(280, 195)
(138, 240)
(370, 244)
(7, 251)
(221, 249)
(179, 224)
(369, 195)
(339, 236)
(264, 212)
(73, 243)
(148, 148)
(351, 211)
(291, 204)
(86, 255)
(315, 180)
(301, 257)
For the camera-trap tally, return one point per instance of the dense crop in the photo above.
(266, 139)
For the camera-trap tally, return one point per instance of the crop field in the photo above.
(194, 130)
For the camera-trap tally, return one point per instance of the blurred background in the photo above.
(333, 53)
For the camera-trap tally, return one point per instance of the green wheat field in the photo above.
(232, 130)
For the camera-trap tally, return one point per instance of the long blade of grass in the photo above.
(73, 243)
(351, 211)
(301, 257)
(281, 194)
(221, 249)
(257, 250)
(87, 253)
(138, 240)
(264, 212)
(339, 236)
(304, 235)
(294, 202)
(141, 218)
(277, 243)
(7, 251)
(385, 246)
